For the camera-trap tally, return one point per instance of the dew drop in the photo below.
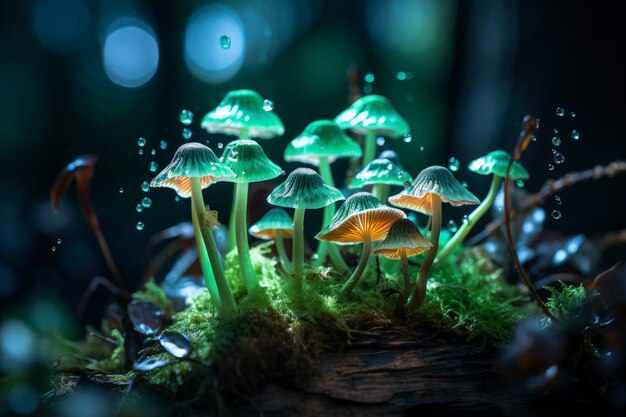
(139, 226)
(59, 241)
(520, 183)
(556, 141)
(464, 183)
(121, 190)
(187, 133)
(367, 89)
(560, 111)
(380, 141)
(453, 164)
(146, 202)
(220, 145)
(534, 138)
(554, 151)
(139, 208)
(401, 76)
(452, 226)
(145, 186)
(163, 145)
(556, 214)
(54, 248)
(550, 167)
(559, 158)
(572, 114)
(575, 134)
(421, 148)
(177, 199)
(557, 199)
(153, 166)
(407, 138)
(282, 172)
(555, 131)
(465, 219)
(369, 77)
(153, 152)
(141, 142)
(140, 152)
(268, 105)
(225, 42)
(186, 117)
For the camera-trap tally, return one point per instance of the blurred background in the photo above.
(95, 76)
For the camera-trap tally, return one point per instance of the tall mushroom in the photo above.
(194, 167)
(404, 240)
(303, 189)
(381, 174)
(320, 144)
(250, 164)
(362, 218)
(277, 225)
(373, 115)
(431, 187)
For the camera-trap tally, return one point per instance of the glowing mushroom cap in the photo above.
(243, 109)
(304, 188)
(404, 236)
(192, 160)
(360, 215)
(248, 161)
(433, 180)
(496, 163)
(380, 171)
(373, 113)
(322, 138)
(274, 220)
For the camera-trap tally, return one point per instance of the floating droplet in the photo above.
(555, 131)
(54, 248)
(559, 158)
(153, 166)
(153, 152)
(554, 151)
(367, 89)
(464, 183)
(186, 117)
(560, 111)
(187, 133)
(139, 208)
(146, 202)
(421, 148)
(520, 183)
(268, 105)
(556, 141)
(452, 226)
(59, 241)
(145, 186)
(572, 114)
(140, 151)
(550, 167)
(575, 134)
(557, 199)
(453, 164)
(465, 219)
(141, 142)
(220, 145)
(380, 141)
(139, 226)
(369, 77)
(401, 76)
(407, 138)
(556, 214)
(121, 190)
(177, 199)
(534, 138)
(163, 145)
(225, 42)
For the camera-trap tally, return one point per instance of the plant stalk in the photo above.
(241, 229)
(205, 263)
(381, 192)
(404, 295)
(369, 153)
(298, 250)
(363, 261)
(282, 253)
(232, 235)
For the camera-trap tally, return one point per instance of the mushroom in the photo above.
(382, 174)
(373, 115)
(194, 167)
(404, 240)
(277, 225)
(495, 163)
(250, 164)
(320, 144)
(303, 189)
(431, 187)
(362, 218)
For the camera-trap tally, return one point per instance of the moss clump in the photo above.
(568, 302)
(153, 293)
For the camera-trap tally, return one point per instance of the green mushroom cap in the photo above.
(433, 180)
(362, 214)
(373, 113)
(380, 171)
(322, 138)
(243, 109)
(496, 163)
(404, 236)
(274, 220)
(192, 160)
(304, 188)
(248, 161)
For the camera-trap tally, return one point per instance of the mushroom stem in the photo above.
(370, 147)
(422, 278)
(298, 249)
(241, 233)
(356, 275)
(282, 253)
(232, 235)
(225, 295)
(404, 295)
(381, 191)
(205, 263)
(472, 219)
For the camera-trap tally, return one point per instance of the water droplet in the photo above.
(369, 77)
(556, 141)
(560, 111)
(575, 134)
(140, 151)
(534, 138)
(407, 138)
(141, 142)
(153, 166)
(139, 208)
(572, 114)
(163, 145)
(367, 89)
(556, 214)
(559, 158)
(557, 199)
(121, 190)
(453, 164)
(554, 151)
(59, 241)
(452, 226)
(380, 141)
(139, 226)
(421, 148)
(520, 183)
(54, 248)
(282, 172)
(146, 202)
(464, 183)
(187, 133)
(550, 167)
(555, 131)
(186, 117)
(268, 105)
(401, 76)
(465, 219)
(224, 42)
(153, 152)
(145, 186)
(177, 199)
(220, 145)
(389, 167)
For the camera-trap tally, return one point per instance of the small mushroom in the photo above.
(495, 163)
(303, 189)
(382, 174)
(371, 116)
(277, 225)
(250, 164)
(431, 187)
(404, 240)
(320, 144)
(362, 218)
(194, 167)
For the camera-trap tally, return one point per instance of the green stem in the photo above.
(225, 295)
(370, 147)
(282, 253)
(205, 263)
(298, 250)
(381, 192)
(232, 235)
(241, 229)
(422, 278)
(472, 219)
(404, 295)
(356, 275)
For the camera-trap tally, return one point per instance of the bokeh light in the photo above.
(204, 54)
(61, 25)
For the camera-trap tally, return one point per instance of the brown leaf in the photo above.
(81, 169)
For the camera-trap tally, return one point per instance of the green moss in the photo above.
(116, 361)
(567, 302)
